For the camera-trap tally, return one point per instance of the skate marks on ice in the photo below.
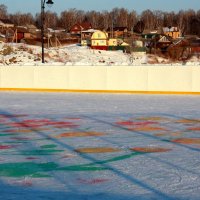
(100, 151)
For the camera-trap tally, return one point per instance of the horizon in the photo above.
(34, 7)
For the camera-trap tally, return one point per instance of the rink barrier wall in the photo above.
(105, 79)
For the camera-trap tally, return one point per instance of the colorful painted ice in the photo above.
(87, 146)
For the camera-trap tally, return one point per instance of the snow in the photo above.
(23, 54)
(99, 146)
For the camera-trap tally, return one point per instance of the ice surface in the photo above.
(99, 146)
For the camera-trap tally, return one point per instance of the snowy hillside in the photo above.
(22, 54)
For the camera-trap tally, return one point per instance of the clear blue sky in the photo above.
(33, 6)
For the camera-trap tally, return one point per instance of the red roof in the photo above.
(81, 27)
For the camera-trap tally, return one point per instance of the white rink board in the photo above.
(102, 78)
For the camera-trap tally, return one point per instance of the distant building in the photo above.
(31, 28)
(86, 37)
(99, 40)
(194, 44)
(113, 42)
(117, 32)
(117, 44)
(150, 36)
(76, 29)
(164, 42)
(173, 32)
(22, 33)
(6, 23)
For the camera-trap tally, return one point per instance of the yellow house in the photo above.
(173, 32)
(112, 42)
(99, 40)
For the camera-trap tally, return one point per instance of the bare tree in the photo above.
(106, 20)
(3, 11)
(123, 17)
(20, 19)
(147, 17)
(169, 19)
(158, 19)
(195, 25)
(80, 16)
(181, 21)
(139, 27)
(68, 18)
(187, 21)
(132, 19)
(189, 14)
(92, 17)
(51, 20)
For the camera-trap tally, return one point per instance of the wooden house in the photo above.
(76, 29)
(149, 37)
(194, 46)
(31, 28)
(117, 44)
(2, 37)
(9, 34)
(117, 32)
(6, 23)
(156, 39)
(163, 43)
(99, 40)
(22, 33)
(173, 32)
(179, 49)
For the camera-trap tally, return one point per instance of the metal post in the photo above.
(42, 27)
(49, 2)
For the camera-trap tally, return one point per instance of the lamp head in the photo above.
(50, 2)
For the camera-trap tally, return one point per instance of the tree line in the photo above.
(188, 21)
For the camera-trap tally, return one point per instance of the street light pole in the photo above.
(49, 2)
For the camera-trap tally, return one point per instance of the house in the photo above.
(179, 49)
(173, 32)
(76, 29)
(156, 39)
(163, 43)
(117, 44)
(99, 40)
(2, 38)
(149, 37)
(9, 34)
(31, 28)
(195, 47)
(86, 37)
(113, 42)
(194, 44)
(22, 33)
(117, 32)
(138, 46)
(6, 23)
(150, 34)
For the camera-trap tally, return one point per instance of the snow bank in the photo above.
(23, 54)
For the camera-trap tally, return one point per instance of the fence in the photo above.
(130, 79)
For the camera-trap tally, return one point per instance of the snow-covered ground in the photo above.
(23, 54)
(58, 146)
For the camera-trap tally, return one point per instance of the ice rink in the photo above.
(81, 146)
